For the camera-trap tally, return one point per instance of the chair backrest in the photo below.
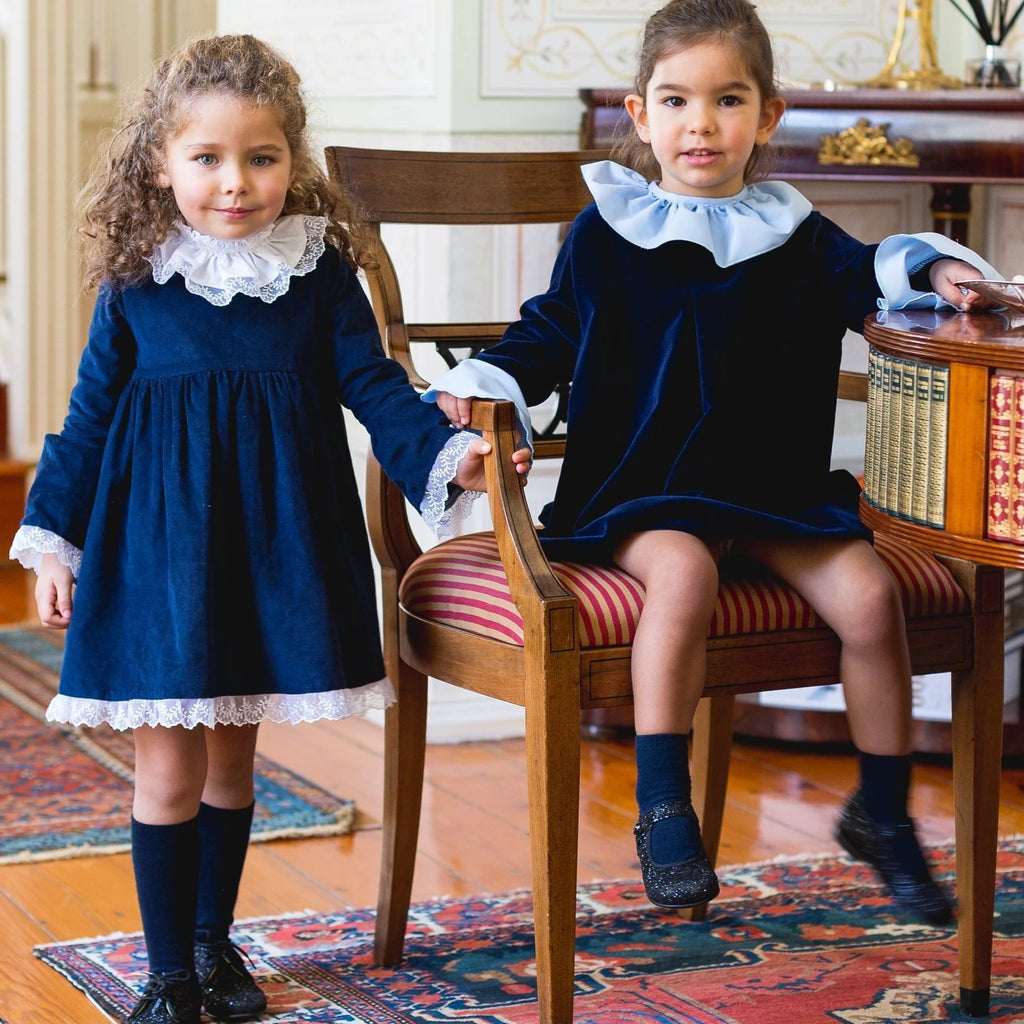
(408, 187)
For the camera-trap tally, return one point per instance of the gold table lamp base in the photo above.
(928, 75)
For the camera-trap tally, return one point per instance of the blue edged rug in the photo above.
(67, 792)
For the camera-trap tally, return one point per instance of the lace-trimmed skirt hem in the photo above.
(242, 710)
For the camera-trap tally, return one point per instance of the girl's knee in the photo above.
(874, 612)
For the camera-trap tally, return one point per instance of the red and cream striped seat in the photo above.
(490, 614)
(462, 584)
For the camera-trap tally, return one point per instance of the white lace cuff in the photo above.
(32, 542)
(444, 519)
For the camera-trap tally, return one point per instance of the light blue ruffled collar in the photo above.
(758, 219)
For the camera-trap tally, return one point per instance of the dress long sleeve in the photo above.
(61, 498)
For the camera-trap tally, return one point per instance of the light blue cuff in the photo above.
(899, 255)
(473, 378)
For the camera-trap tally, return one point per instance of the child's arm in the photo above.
(456, 409)
(53, 593)
(945, 276)
(470, 472)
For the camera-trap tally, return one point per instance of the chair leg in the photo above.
(405, 736)
(711, 751)
(553, 762)
(977, 731)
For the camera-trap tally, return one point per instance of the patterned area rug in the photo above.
(67, 792)
(799, 940)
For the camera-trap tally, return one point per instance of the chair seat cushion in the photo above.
(461, 583)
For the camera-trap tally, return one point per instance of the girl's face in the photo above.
(702, 116)
(229, 167)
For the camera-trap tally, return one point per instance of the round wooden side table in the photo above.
(971, 354)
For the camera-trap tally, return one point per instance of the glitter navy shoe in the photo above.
(229, 993)
(687, 883)
(169, 998)
(909, 883)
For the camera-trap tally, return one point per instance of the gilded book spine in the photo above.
(893, 432)
(905, 440)
(1000, 446)
(922, 442)
(884, 468)
(872, 433)
(938, 428)
(1017, 464)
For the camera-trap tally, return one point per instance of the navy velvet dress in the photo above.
(204, 471)
(703, 398)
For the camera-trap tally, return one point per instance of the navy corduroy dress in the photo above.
(204, 471)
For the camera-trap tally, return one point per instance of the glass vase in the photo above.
(993, 71)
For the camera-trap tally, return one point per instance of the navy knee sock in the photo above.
(166, 863)
(663, 774)
(885, 792)
(223, 843)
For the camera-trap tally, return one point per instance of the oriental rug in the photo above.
(808, 940)
(67, 792)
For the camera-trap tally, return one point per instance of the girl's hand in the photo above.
(945, 276)
(53, 593)
(456, 409)
(469, 474)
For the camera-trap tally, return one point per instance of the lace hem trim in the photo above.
(244, 710)
(32, 542)
(444, 519)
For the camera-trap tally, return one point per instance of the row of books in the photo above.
(1005, 506)
(905, 449)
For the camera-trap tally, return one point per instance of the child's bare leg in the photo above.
(853, 592)
(680, 577)
(669, 657)
(225, 821)
(170, 769)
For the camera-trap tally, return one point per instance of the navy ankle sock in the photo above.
(885, 787)
(663, 774)
(223, 843)
(885, 791)
(165, 859)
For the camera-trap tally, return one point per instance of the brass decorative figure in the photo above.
(928, 75)
(867, 145)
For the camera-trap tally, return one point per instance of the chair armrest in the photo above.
(983, 584)
(530, 578)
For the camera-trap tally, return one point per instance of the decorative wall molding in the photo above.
(388, 48)
(555, 47)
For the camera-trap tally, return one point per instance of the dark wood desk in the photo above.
(949, 139)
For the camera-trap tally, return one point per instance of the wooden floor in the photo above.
(474, 836)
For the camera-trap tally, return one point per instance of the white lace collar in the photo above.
(260, 266)
(756, 220)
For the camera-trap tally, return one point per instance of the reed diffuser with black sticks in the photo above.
(993, 26)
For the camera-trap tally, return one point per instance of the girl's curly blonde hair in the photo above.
(126, 214)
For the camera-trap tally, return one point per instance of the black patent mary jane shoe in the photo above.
(913, 888)
(171, 998)
(687, 883)
(229, 993)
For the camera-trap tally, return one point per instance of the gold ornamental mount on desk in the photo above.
(867, 145)
(928, 75)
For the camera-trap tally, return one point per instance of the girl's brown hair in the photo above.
(126, 214)
(685, 23)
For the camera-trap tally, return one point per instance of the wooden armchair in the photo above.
(489, 613)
